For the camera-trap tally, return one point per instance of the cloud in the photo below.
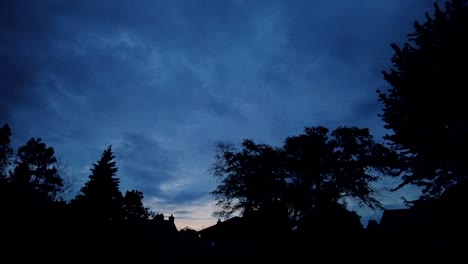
(163, 81)
(144, 164)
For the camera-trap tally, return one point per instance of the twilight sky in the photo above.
(164, 81)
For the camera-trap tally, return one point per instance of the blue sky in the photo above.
(164, 81)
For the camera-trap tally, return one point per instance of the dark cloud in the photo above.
(144, 164)
(185, 197)
(20, 27)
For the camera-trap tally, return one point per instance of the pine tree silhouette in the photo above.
(100, 196)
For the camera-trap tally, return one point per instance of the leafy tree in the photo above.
(252, 183)
(425, 106)
(29, 193)
(6, 152)
(35, 174)
(326, 169)
(251, 178)
(133, 208)
(357, 161)
(100, 196)
(311, 169)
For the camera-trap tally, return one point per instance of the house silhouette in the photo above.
(163, 227)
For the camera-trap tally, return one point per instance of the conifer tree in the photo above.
(100, 196)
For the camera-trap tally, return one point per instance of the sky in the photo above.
(164, 81)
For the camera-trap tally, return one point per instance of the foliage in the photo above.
(36, 171)
(133, 208)
(100, 196)
(251, 178)
(6, 152)
(310, 168)
(425, 106)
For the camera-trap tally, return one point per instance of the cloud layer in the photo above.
(163, 81)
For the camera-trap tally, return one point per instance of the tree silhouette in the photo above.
(133, 208)
(29, 198)
(425, 106)
(251, 179)
(100, 196)
(326, 169)
(35, 176)
(6, 151)
(312, 170)
(356, 161)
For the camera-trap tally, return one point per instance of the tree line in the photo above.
(37, 219)
(31, 178)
